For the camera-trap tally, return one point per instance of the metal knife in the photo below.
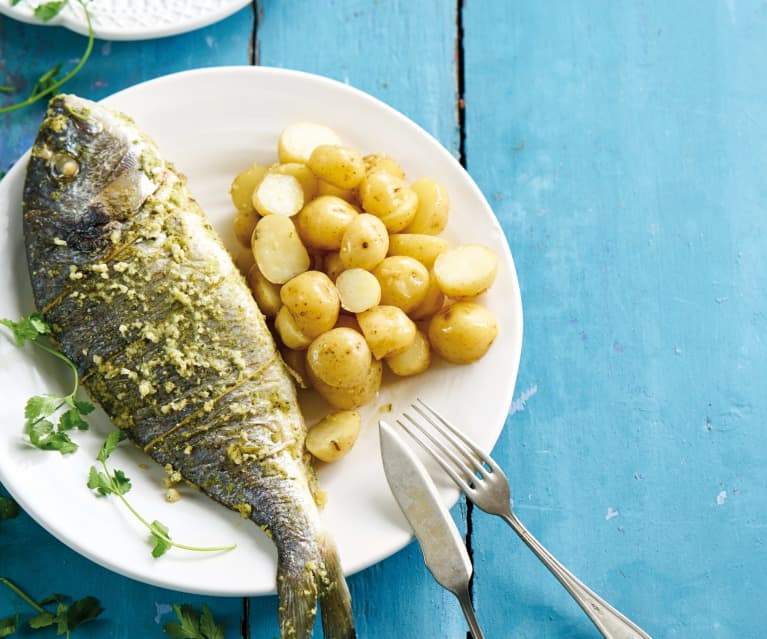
(443, 549)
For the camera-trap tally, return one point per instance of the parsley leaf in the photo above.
(8, 509)
(160, 537)
(112, 441)
(49, 10)
(43, 433)
(103, 484)
(82, 610)
(8, 625)
(27, 328)
(194, 625)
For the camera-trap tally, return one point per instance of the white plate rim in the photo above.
(402, 535)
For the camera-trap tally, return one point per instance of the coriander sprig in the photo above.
(192, 624)
(49, 81)
(44, 433)
(106, 482)
(66, 617)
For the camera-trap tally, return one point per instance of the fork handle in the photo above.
(611, 623)
(468, 612)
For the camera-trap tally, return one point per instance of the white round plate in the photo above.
(131, 19)
(219, 132)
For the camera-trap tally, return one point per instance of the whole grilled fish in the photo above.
(142, 296)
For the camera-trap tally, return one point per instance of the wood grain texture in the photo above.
(622, 151)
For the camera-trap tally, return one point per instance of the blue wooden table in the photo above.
(623, 147)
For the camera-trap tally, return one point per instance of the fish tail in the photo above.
(335, 600)
(299, 585)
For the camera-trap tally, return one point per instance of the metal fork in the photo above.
(484, 483)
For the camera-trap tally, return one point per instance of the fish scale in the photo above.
(143, 297)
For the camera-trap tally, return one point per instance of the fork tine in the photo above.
(460, 481)
(453, 433)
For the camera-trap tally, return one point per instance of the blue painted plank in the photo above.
(374, 46)
(29, 555)
(622, 147)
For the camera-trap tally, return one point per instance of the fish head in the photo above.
(90, 171)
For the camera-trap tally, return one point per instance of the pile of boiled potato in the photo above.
(344, 256)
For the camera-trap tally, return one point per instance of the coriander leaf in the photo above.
(39, 431)
(208, 626)
(99, 482)
(189, 626)
(43, 620)
(15, 2)
(49, 10)
(160, 537)
(54, 597)
(120, 483)
(41, 406)
(82, 610)
(61, 619)
(85, 408)
(71, 419)
(8, 625)
(112, 441)
(8, 509)
(27, 328)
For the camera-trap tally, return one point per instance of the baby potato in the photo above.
(415, 359)
(404, 281)
(243, 224)
(466, 270)
(334, 435)
(244, 260)
(422, 247)
(382, 162)
(243, 185)
(340, 358)
(364, 243)
(358, 289)
(278, 249)
(433, 204)
(302, 173)
(290, 335)
(352, 396)
(338, 165)
(331, 264)
(389, 198)
(463, 332)
(313, 302)
(432, 301)
(266, 294)
(323, 221)
(387, 330)
(298, 140)
(278, 194)
(296, 363)
(350, 195)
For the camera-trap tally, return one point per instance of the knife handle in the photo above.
(468, 612)
(611, 623)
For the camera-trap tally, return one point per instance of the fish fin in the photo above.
(335, 600)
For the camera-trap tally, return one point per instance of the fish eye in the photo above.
(64, 166)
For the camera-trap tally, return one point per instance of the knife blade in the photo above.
(443, 549)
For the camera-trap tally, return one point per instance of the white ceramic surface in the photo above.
(131, 19)
(217, 133)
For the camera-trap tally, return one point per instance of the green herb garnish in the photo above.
(8, 510)
(49, 81)
(43, 432)
(106, 482)
(192, 624)
(66, 617)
